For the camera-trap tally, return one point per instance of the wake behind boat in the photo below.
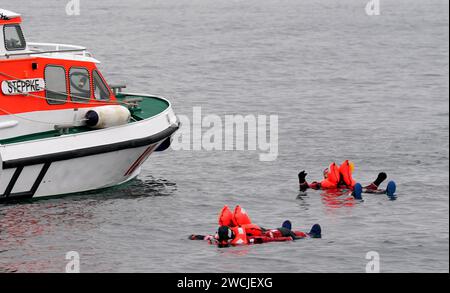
(63, 129)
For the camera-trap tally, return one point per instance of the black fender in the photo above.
(164, 145)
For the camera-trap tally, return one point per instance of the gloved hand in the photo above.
(302, 177)
(381, 177)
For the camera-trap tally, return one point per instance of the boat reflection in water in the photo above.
(25, 227)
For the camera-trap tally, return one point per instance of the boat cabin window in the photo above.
(14, 39)
(101, 91)
(55, 84)
(80, 85)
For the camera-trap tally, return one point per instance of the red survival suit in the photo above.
(337, 177)
(247, 233)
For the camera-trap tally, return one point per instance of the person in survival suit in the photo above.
(336, 177)
(236, 229)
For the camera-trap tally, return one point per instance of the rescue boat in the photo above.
(63, 128)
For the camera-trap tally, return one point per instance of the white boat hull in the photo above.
(81, 162)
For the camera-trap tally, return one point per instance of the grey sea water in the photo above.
(373, 89)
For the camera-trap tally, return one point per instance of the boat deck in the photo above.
(145, 107)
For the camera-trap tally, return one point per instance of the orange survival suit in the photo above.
(336, 177)
(245, 232)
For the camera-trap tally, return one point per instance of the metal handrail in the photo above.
(33, 49)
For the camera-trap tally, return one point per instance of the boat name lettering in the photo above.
(23, 86)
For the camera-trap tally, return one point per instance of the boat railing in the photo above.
(117, 88)
(50, 48)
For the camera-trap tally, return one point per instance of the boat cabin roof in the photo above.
(14, 45)
(7, 16)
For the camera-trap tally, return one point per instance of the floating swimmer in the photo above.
(341, 177)
(237, 229)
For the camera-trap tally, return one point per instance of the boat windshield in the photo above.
(101, 91)
(14, 39)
